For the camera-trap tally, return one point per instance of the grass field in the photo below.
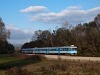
(33, 66)
(20, 61)
(7, 59)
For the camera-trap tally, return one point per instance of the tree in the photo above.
(97, 21)
(46, 37)
(4, 33)
(5, 47)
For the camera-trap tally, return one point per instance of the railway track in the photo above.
(78, 58)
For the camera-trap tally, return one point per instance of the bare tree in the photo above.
(4, 33)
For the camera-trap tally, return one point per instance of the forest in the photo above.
(85, 36)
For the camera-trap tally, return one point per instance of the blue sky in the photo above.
(23, 17)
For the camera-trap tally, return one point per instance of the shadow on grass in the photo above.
(20, 62)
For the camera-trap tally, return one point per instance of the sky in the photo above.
(24, 17)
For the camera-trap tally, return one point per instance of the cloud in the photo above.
(19, 36)
(73, 7)
(73, 14)
(34, 9)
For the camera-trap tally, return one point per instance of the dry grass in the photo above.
(63, 67)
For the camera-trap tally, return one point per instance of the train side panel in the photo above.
(52, 50)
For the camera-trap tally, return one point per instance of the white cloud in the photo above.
(34, 9)
(73, 7)
(19, 36)
(73, 14)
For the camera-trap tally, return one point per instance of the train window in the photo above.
(61, 49)
(74, 49)
(64, 49)
(49, 50)
(69, 49)
(53, 49)
(42, 49)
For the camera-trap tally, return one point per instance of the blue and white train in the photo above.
(51, 50)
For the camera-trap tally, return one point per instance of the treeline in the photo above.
(85, 36)
(5, 47)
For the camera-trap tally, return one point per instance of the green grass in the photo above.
(9, 62)
(7, 59)
(2, 73)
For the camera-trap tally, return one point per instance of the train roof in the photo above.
(53, 47)
(62, 47)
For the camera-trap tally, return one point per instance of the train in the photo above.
(72, 50)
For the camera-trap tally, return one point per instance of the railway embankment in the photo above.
(77, 58)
